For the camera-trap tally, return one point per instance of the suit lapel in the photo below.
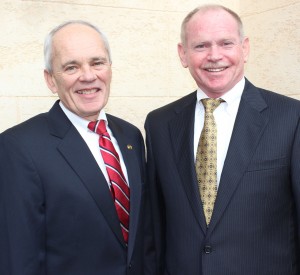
(249, 126)
(182, 137)
(128, 147)
(77, 154)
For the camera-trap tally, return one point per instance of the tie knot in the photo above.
(210, 104)
(98, 127)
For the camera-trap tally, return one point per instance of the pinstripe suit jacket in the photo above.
(255, 226)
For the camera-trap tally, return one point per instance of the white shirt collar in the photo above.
(78, 121)
(230, 97)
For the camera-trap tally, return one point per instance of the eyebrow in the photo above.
(69, 63)
(74, 62)
(100, 58)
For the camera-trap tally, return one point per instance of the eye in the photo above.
(71, 69)
(202, 47)
(99, 63)
(228, 44)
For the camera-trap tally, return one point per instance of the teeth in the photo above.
(216, 70)
(87, 92)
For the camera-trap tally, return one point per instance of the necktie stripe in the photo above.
(118, 184)
(124, 228)
(119, 188)
(122, 216)
(122, 207)
(121, 198)
(115, 177)
(107, 145)
(111, 159)
(109, 154)
(108, 166)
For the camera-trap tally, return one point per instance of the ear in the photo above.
(50, 81)
(246, 49)
(182, 54)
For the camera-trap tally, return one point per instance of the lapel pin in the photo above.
(129, 147)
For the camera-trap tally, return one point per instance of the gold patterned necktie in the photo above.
(206, 158)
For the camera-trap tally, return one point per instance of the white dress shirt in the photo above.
(224, 115)
(92, 139)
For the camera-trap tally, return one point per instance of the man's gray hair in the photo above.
(48, 44)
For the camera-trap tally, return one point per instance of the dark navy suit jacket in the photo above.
(56, 212)
(255, 226)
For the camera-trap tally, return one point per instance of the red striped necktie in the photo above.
(118, 185)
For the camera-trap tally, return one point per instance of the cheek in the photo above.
(105, 75)
(65, 91)
(241, 62)
(197, 61)
(68, 85)
(239, 57)
(108, 81)
(108, 78)
(193, 64)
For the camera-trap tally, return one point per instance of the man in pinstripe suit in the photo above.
(254, 227)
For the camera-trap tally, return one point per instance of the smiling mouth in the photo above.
(87, 92)
(215, 70)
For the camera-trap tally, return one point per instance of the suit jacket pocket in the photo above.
(267, 164)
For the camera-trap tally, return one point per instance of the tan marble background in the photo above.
(143, 37)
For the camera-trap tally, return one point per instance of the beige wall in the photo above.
(143, 36)
(274, 30)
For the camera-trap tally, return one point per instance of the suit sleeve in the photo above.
(22, 211)
(295, 176)
(148, 248)
(156, 203)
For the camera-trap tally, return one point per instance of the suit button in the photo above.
(207, 249)
(130, 266)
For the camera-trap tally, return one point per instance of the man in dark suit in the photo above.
(59, 204)
(235, 211)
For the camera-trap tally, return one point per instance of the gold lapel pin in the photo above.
(129, 147)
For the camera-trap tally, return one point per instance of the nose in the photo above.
(215, 53)
(87, 74)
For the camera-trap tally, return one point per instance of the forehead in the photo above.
(211, 23)
(78, 39)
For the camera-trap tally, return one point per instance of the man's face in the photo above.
(213, 51)
(81, 70)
